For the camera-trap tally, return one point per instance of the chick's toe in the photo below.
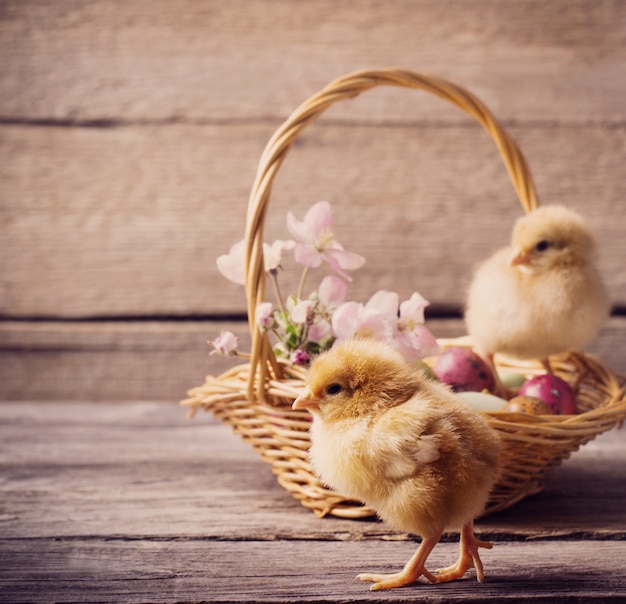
(413, 570)
(468, 557)
(400, 579)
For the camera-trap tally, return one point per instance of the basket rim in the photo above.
(612, 411)
(347, 87)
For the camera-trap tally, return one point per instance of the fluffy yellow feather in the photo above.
(543, 294)
(407, 446)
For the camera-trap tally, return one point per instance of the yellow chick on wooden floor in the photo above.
(386, 435)
(542, 295)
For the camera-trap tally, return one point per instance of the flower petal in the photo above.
(307, 255)
(318, 219)
(385, 302)
(353, 319)
(348, 261)
(263, 315)
(273, 254)
(226, 343)
(340, 260)
(301, 311)
(299, 357)
(319, 330)
(417, 343)
(332, 291)
(346, 320)
(413, 308)
(232, 265)
(375, 324)
(298, 229)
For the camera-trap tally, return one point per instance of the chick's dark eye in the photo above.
(334, 389)
(542, 246)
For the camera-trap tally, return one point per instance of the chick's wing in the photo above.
(400, 442)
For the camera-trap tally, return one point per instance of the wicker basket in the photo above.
(256, 397)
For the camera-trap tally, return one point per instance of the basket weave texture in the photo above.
(255, 398)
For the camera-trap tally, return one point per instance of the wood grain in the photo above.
(134, 502)
(108, 360)
(188, 59)
(197, 571)
(155, 360)
(129, 221)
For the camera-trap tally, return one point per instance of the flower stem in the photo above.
(279, 297)
(302, 281)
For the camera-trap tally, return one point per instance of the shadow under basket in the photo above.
(255, 398)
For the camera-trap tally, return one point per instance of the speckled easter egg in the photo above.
(464, 370)
(527, 404)
(553, 391)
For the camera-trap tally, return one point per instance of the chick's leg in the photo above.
(413, 570)
(499, 389)
(468, 557)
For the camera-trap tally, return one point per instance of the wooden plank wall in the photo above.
(130, 133)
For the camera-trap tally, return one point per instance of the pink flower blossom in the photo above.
(386, 303)
(353, 319)
(412, 310)
(301, 312)
(320, 329)
(232, 265)
(332, 291)
(299, 357)
(305, 327)
(264, 317)
(412, 338)
(416, 343)
(378, 319)
(273, 254)
(316, 242)
(225, 343)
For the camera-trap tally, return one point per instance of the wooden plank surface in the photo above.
(199, 571)
(158, 360)
(129, 221)
(130, 135)
(134, 502)
(189, 59)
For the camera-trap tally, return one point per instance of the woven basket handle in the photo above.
(347, 87)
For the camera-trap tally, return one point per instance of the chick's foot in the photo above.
(400, 579)
(413, 570)
(468, 557)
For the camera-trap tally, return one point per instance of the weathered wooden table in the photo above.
(135, 503)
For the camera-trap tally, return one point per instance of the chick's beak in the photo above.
(519, 257)
(306, 401)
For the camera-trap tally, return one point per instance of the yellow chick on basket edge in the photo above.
(386, 435)
(542, 295)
